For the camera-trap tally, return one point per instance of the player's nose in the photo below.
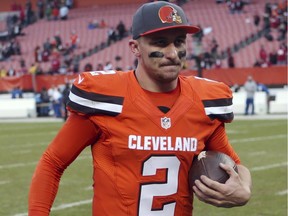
(171, 51)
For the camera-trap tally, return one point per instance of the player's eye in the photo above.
(180, 42)
(159, 42)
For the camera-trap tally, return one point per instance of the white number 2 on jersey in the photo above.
(149, 191)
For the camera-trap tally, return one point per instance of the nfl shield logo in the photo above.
(165, 123)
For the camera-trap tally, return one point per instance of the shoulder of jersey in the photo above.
(101, 81)
(98, 92)
(215, 96)
(208, 89)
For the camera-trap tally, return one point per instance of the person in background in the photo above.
(65, 98)
(63, 12)
(44, 105)
(144, 128)
(17, 92)
(250, 86)
(74, 40)
(56, 100)
(3, 72)
(262, 87)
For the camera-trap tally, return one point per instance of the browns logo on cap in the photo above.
(157, 16)
(168, 14)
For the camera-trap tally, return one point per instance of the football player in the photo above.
(144, 128)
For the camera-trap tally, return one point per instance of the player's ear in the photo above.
(134, 47)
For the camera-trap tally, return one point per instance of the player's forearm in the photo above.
(44, 187)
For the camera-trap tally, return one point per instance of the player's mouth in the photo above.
(171, 65)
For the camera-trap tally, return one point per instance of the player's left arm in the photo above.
(237, 189)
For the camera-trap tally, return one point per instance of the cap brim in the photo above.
(187, 29)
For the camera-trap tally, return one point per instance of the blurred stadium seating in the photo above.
(228, 29)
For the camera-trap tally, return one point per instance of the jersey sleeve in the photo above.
(77, 133)
(216, 97)
(218, 141)
(91, 94)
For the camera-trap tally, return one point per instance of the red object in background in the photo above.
(276, 75)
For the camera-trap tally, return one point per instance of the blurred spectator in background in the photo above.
(230, 59)
(273, 57)
(44, 103)
(11, 71)
(75, 63)
(199, 35)
(93, 24)
(38, 54)
(40, 9)
(63, 69)
(256, 19)
(56, 99)
(121, 29)
(103, 24)
(263, 53)
(99, 67)
(3, 72)
(235, 87)
(69, 3)
(55, 13)
(29, 13)
(33, 68)
(74, 39)
(15, 45)
(64, 11)
(235, 6)
(17, 93)
(47, 46)
(48, 11)
(108, 66)
(214, 48)
(65, 95)
(112, 36)
(88, 67)
(55, 65)
(262, 87)
(250, 87)
(58, 40)
(282, 54)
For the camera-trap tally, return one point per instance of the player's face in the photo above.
(162, 55)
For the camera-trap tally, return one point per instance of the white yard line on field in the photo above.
(24, 145)
(21, 152)
(4, 182)
(254, 139)
(69, 205)
(282, 193)
(17, 165)
(271, 166)
(257, 153)
(63, 206)
(34, 134)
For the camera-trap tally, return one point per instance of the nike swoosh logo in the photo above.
(80, 79)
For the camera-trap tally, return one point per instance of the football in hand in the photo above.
(207, 163)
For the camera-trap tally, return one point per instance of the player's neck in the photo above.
(152, 85)
(163, 99)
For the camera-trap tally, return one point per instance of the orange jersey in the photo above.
(141, 156)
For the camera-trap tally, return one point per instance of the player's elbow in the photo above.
(53, 163)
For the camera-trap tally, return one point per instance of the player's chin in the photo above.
(171, 71)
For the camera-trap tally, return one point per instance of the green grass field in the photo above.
(261, 144)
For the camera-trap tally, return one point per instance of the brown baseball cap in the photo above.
(157, 16)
